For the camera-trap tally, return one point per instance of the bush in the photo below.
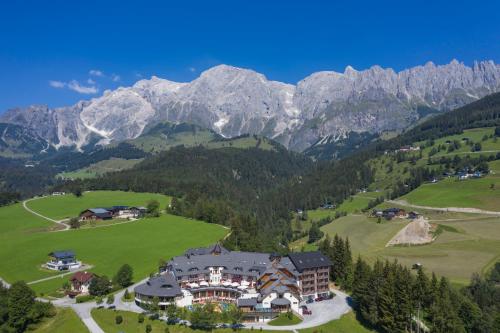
(118, 320)
(84, 298)
(148, 328)
(140, 318)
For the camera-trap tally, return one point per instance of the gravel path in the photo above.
(25, 206)
(447, 209)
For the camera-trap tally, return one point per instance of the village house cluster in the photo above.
(120, 212)
(262, 285)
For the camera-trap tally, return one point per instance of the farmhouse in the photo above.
(390, 213)
(62, 261)
(261, 284)
(96, 214)
(80, 283)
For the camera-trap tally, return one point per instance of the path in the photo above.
(25, 206)
(446, 209)
(322, 313)
(83, 268)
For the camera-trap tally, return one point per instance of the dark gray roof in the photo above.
(305, 260)
(215, 249)
(161, 286)
(234, 262)
(246, 301)
(62, 254)
(280, 301)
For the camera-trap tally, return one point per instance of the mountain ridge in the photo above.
(234, 101)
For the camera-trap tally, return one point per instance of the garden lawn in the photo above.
(64, 321)
(26, 244)
(67, 206)
(450, 192)
(283, 320)
(106, 320)
(346, 324)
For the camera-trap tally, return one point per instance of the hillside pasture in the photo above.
(100, 168)
(67, 206)
(26, 243)
(468, 245)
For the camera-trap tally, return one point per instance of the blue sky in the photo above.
(58, 52)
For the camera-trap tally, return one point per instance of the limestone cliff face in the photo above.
(234, 101)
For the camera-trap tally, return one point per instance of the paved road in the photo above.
(322, 312)
(83, 268)
(446, 209)
(66, 227)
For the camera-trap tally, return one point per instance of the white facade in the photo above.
(62, 265)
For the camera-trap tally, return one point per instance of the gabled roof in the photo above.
(82, 277)
(62, 254)
(246, 301)
(306, 260)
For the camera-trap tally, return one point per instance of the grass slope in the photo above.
(100, 168)
(468, 243)
(66, 206)
(346, 324)
(106, 320)
(454, 193)
(64, 321)
(283, 320)
(25, 244)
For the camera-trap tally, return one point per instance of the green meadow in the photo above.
(483, 193)
(26, 241)
(100, 168)
(64, 321)
(67, 206)
(469, 244)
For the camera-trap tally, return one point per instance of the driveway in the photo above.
(322, 312)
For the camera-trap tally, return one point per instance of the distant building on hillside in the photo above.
(62, 261)
(96, 214)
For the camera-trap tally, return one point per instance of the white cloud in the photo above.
(115, 78)
(76, 86)
(96, 72)
(57, 84)
(90, 81)
(192, 69)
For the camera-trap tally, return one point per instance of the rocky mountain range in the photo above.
(324, 107)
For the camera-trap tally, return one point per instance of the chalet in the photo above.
(137, 212)
(80, 283)
(62, 261)
(413, 215)
(393, 212)
(96, 214)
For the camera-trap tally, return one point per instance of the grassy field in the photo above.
(106, 320)
(471, 244)
(352, 205)
(283, 320)
(26, 243)
(241, 143)
(65, 321)
(450, 192)
(346, 324)
(99, 168)
(66, 206)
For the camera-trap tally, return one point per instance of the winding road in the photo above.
(446, 209)
(25, 206)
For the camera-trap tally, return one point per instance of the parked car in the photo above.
(330, 295)
(112, 307)
(237, 326)
(303, 307)
(306, 312)
(309, 301)
(319, 299)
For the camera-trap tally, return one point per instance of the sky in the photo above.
(59, 52)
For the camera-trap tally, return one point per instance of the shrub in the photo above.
(148, 328)
(140, 318)
(118, 320)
